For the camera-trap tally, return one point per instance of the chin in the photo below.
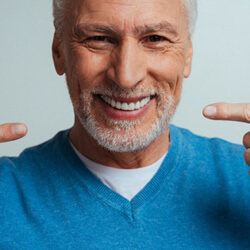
(124, 135)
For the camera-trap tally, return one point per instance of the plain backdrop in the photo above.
(31, 92)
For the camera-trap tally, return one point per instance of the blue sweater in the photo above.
(199, 199)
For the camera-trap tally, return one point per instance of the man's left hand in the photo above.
(232, 112)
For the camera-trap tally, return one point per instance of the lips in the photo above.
(126, 106)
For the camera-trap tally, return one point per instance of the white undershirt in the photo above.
(126, 182)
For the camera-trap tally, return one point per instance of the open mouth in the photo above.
(126, 106)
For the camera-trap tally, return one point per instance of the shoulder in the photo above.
(206, 146)
(210, 159)
(34, 157)
(33, 170)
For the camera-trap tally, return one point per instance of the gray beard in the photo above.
(122, 135)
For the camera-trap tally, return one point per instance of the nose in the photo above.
(128, 65)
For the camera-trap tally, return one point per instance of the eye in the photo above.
(156, 42)
(155, 38)
(99, 42)
(99, 39)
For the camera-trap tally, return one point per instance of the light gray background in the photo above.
(32, 93)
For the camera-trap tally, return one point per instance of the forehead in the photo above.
(126, 14)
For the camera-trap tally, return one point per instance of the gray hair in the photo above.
(58, 7)
(191, 12)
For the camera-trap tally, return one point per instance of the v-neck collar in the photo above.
(106, 195)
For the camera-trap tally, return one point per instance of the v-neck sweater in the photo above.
(126, 182)
(198, 199)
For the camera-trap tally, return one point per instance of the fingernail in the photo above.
(18, 129)
(210, 111)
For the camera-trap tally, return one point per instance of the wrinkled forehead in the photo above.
(125, 14)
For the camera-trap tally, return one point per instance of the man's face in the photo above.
(124, 62)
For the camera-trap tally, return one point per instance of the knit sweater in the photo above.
(198, 199)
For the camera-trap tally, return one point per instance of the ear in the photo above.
(58, 55)
(188, 65)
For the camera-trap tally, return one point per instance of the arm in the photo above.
(232, 112)
(12, 131)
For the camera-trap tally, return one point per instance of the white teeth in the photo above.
(109, 101)
(131, 106)
(118, 105)
(137, 105)
(125, 106)
(143, 102)
(113, 103)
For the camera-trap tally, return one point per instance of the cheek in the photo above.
(167, 67)
(87, 67)
(168, 70)
(85, 71)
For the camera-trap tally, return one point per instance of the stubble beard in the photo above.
(123, 135)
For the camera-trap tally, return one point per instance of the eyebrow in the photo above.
(139, 30)
(99, 28)
(156, 27)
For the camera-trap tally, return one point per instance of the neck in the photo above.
(87, 146)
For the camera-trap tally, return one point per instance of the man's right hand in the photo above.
(12, 131)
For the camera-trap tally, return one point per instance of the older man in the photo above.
(122, 177)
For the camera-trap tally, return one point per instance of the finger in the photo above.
(228, 111)
(12, 131)
(246, 140)
(247, 157)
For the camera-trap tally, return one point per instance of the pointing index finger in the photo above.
(228, 111)
(12, 131)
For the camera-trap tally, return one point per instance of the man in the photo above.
(122, 177)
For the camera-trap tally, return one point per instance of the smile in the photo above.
(124, 105)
